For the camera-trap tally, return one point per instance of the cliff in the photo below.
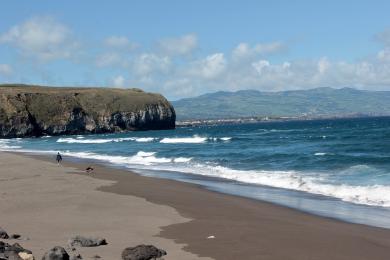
(36, 111)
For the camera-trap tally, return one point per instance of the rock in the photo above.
(15, 236)
(56, 253)
(15, 251)
(3, 234)
(142, 252)
(26, 256)
(76, 257)
(37, 111)
(86, 241)
(12, 255)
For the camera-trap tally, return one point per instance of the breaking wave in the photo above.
(5, 145)
(141, 158)
(374, 195)
(192, 140)
(81, 140)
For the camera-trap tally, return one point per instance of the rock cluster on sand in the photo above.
(86, 241)
(56, 253)
(14, 252)
(17, 252)
(142, 252)
(3, 234)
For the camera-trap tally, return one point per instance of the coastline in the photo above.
(243, 228)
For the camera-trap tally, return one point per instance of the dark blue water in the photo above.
(336, 168)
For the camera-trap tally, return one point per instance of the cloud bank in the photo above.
(179, 67)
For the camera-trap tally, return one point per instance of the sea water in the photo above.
(335, 168)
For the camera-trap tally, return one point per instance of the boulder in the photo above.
(56, 253)
(142, 252)
(26, 256)
(3, 234)
(12, 255)
(76, 257)
(15, 252)
(86, 241)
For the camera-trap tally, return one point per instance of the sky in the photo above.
(187, 48)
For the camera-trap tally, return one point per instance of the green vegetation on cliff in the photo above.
(35, 110)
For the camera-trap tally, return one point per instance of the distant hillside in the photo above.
(313, 102)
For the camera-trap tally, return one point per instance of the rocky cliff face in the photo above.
(36, 111)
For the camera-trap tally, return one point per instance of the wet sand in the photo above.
(188, 214)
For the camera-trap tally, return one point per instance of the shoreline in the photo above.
(243, 227)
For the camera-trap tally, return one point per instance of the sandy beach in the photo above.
(49, 204)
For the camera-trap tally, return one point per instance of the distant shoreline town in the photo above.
(259, 119)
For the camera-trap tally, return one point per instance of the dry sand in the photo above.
(49, 204)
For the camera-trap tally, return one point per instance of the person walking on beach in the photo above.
(58, 158)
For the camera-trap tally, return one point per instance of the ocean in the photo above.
(337, 168)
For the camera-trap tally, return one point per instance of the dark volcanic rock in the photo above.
(86, 241)
(56, 253)
(76, 257)
(15, 236)
(3, 234)
(142, 252)
(36, 111)
(9, 252)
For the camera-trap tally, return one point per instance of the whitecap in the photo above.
(187, 140)
(82, 140)
(226, 138)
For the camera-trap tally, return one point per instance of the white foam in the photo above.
(144, 139)
(187, 140)
(81, 140)
(375, 195)
(6, 146)
(226, 138)
(182, 160)
(320, 154)
(141, 158)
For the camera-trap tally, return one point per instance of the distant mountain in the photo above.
(313, 102)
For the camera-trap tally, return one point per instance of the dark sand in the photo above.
(245, 228)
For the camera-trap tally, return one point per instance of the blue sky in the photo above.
(186, 48)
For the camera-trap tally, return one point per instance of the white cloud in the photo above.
(260, 66)
(118, 81)
(210, 67)
(323, 65)
(109, 59)
(120, 42)
(183, 45)
(269, 48)
(148, 63)
(384, 37)
(245, 51)
(384, 55)
(5, 70)
(42, 38)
